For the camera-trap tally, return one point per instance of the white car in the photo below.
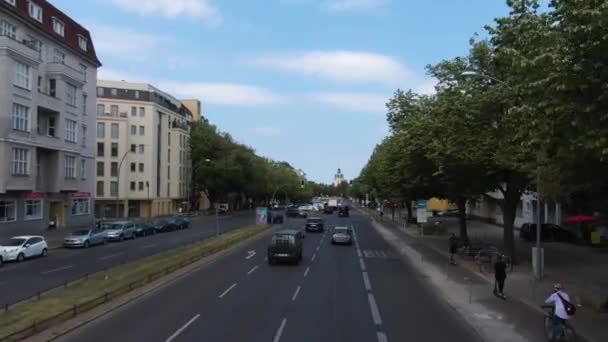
(342, 235)
(19, 248)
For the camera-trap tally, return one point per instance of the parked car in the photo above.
(144, 228)
(162, 225)
(315, 224)
(549, 232)
(19, 248)
(184, 222)
(285, 245)
(120, 230)
(3, 256)
(342, 235)
(85, 238)
(176, 223)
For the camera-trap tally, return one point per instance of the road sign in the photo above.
(261, 215)
(421, 211)
(421, 204)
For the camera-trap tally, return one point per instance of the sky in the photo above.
(304, 81)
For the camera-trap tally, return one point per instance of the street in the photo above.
(22, 280)
(362, 292)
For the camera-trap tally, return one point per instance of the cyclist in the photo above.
(556, 302)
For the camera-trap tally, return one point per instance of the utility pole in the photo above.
(118, 184)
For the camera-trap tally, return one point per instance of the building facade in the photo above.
(338, 178)
(195, 107)
(48, 69)
(143, 166)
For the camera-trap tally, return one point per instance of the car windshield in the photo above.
(81, 232)
(282, 238)
(14, 242)
(341, 230)
(116, 226)
(314, 221)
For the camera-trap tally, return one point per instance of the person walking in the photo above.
(500, 274)
(453, 248)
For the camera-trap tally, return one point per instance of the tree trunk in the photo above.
(461, 201)
(408, 205)
(512, 196)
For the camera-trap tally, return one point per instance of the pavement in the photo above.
(22, 280)
(577, 268)
(364, 292)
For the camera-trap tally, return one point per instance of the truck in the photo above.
(332, 203)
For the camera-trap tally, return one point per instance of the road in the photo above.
(22, 280)
(354, 293)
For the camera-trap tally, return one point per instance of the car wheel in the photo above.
(1, 261)
(20, 257)
(105, 240)
(270, 261)
(44, 253)
(120, 238)
(86, 244)
(133, 236)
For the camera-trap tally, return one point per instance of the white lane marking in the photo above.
(362, 264)
(228, 290)
(313, 257)
(359, 253)
(306, 271)
(381, 336)
(374, 308)
(295, 295)
(318, 248)
(277, 336)
(251, 255)
(252, 270)
(111, 256)
(149, 246)
(58, 269)
(368, 284)
(184, 327)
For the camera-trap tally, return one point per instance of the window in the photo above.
(100, 188)
(7, 211)
(168, 156)
(22, 76)
(33, 209)
(70, 94)
(82, 43)
(35, 11)
(141, 167)
(114, 131)
(99, 91)
(84, 104)
(84, 135)
(133, 167)
(83, 169)
(142, 111)
(114, 91)
(142, 130)
(12, 2)
(70, 130)
(101, 130)
(133, 130)
(81, 206)
(114, 150)
(114, 110)
(58, 56)
(114, 169)
(137, 94)
(21, 117)
(168, 172)
(51, 126)
(133, 111)
(101, 149)
(133, 148)
(141, 186)
(20, 161)
(101, 110)
(7, 29)
(84, 70)
(70, 167)
(169, 138)
(52, 87)
(113, 188)
(141, 149)
(132, 186)
(58, 27)
(100, 169)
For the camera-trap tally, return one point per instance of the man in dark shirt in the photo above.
(500, 274)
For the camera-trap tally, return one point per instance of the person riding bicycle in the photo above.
(557, 301)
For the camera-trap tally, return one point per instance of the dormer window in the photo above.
(82, 43)
(35, 11)
(58, 27)
(12, 2)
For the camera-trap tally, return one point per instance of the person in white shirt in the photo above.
(560, 316)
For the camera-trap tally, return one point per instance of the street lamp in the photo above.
(538, 262)
(118, 183)
(217, 219)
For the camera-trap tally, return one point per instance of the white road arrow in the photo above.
(250, 255)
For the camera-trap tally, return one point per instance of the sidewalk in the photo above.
(580, 269)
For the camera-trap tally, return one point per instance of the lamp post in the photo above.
(118, 183)
(538, 261)
(217, 219)
(149, 204)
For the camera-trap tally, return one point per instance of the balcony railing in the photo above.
(25, 47)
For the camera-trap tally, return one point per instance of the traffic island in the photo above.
(33, 316)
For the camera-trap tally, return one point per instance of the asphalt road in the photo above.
(338, 293)
(22, 280)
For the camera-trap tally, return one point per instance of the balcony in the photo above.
(66, 72)
(22, 48)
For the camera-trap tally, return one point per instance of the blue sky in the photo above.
(299, 80)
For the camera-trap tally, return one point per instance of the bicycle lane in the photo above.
(469, 294)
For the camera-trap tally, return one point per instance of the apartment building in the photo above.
(48, 69)
(143, 163)
(194, 106)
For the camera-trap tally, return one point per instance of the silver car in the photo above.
(120, 230)
(342, 235)
(85, 238)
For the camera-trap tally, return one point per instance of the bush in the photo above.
(435, 228)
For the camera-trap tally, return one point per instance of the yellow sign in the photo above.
(595, 238)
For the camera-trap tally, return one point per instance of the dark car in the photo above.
(315, 224)
(292, 212)
(285, 245)
(328, 210)
(163, 225)
(275, 217)
(144, 228)
(180, 222)
(548, 232)
(343, 211)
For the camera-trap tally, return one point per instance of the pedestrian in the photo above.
(500, 274)
(453, 248)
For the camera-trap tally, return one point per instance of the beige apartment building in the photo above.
(143, 166)
(195, 108)
(48, 75)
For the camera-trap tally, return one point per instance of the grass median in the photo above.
(85, 294)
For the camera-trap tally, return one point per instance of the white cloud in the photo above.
(267, 131)
(351, 5)
(125, 43)
(354, 101)
(340, 66)
(198, 9)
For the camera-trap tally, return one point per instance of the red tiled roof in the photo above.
(71, 28)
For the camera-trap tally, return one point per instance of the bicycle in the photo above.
(557, 330)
